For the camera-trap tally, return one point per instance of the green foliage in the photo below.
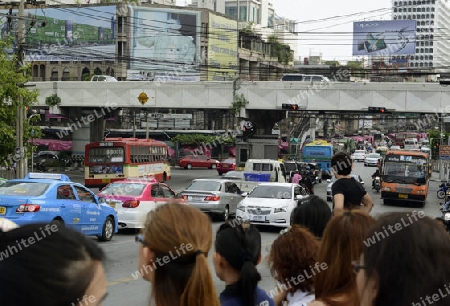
(53, 100)
(198, 139)
(239, 103)
(12, 96)
(281, 51)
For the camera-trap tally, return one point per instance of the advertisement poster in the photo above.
(165, 44)
(391, 37)
(222, 46)
(65, 34)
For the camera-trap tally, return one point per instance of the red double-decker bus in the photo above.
(118, 158)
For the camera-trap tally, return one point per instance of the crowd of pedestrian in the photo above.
(327, 257)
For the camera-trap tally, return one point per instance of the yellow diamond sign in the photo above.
(143, 98)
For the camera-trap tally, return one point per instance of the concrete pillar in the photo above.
(97, 129)
(254, 71)
(80, 139)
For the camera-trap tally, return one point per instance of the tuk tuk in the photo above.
(382, 150)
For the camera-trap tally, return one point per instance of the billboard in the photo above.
(222, 46)
(65, 34)
(164, 44)
(392, 37)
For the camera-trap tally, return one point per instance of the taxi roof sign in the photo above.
(48, 176)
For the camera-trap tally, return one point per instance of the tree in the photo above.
(13, 94)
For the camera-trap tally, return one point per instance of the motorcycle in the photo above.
(376, 183)
(445, 218)
(444, 187)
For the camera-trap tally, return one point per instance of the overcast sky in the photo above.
(334, 18)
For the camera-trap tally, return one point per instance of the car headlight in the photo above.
(447, 217)
(280, 209)
(387, 189)
(241, 207)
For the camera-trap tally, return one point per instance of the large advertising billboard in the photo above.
(391, 37)
(164, 44)
(65, 34)
(222, 47)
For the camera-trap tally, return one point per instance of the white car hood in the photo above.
(261, 202)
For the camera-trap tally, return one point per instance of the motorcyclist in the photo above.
(377, 173)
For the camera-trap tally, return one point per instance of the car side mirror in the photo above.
(244, 194)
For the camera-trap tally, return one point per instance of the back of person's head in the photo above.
(313, 213)
(341, 163)
(342, 243)
(48, 264)
(294, 255)
(398, 250)
(183, 235)
(240, 246)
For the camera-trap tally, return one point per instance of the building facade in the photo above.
(433, 20)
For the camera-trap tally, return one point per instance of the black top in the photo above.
(352, 190)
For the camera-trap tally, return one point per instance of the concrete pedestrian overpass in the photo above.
(92, 99)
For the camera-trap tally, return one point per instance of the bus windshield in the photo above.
(405, 169)
(103, 155)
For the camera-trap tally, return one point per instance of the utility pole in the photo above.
(20, 108)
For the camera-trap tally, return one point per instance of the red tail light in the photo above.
(212, 198)
(28, 208)
(219, 165)
(131, 204)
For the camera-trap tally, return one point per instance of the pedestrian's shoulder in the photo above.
(262, 298)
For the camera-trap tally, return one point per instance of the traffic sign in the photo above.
(444, 152)
(143, 98)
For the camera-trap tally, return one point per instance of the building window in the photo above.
(231, 11)
(243, 13)
(430, 64)
(431, 50)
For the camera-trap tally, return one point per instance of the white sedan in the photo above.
(372, 159)
(270, 204)
(359, 155)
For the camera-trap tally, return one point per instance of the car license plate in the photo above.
(402, 196)
(225, 166)
(258, 218)
(196, 198)
(106, 181)
(2, 210)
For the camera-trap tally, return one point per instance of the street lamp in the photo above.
(32, 140)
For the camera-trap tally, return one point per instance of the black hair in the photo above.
(419, 244)
(241, 248)
(46, 264)
(313, 213)
(341, 163)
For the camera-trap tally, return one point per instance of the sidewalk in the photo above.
(435, 177)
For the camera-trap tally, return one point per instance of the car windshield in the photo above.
(32, 189)
(204, 185)
(229, 161)
(239, 174)
(271, 192)
(373, 156)
(290, 167)
(123, 189)
(405, 172)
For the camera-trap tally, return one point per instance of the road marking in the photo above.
(120, 281)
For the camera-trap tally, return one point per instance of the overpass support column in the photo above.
(80, 139)
(97, 129)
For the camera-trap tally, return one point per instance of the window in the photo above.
(155, 191)
(84, 195)
(65, 192)
(231, 11)
(106, 155)
(166, 192)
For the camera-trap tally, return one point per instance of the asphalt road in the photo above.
(123, 289)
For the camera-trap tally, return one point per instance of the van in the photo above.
(275, 168)
(103, 78)
(411, 143)
(297, 77)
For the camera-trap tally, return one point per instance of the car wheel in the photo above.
(108, 230)
(226, 214)
(213, 166)
(189, 166)
(58, 221)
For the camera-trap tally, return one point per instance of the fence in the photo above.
(8, 173)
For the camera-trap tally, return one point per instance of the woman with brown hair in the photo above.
(342, 243)
(293, 263)
(173, 256)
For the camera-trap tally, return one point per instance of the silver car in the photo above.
(215, 196)
(331, 182)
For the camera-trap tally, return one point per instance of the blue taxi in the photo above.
(47, 197)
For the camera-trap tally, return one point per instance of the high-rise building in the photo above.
(433, 22)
